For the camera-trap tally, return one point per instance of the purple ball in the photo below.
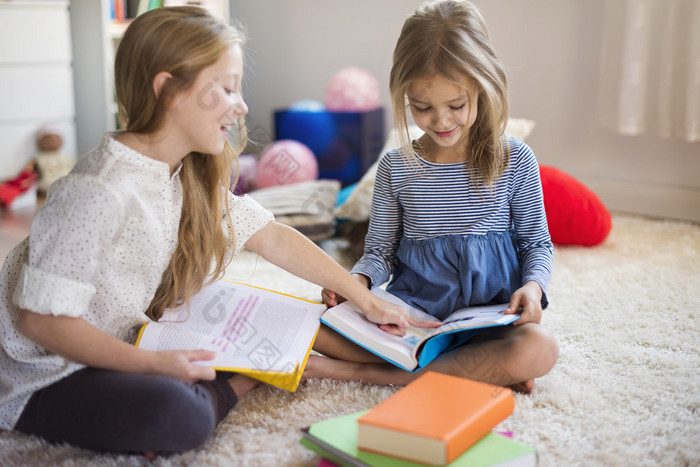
(247, 174)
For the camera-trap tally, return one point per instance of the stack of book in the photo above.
(435, 420)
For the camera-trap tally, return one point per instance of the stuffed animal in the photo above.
(51, 162)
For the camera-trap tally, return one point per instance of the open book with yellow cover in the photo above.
(264, 334)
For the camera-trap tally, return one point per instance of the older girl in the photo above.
(132, 230)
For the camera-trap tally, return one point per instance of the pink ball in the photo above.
(286, 162)
(352, 89)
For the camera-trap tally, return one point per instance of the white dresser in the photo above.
(36, 78)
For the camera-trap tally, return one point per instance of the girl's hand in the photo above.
(101, 350)
(178, 363)
(393, 319)
(527, 301)
(331, 298)
(390, 317)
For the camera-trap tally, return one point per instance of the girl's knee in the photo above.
(540, 346)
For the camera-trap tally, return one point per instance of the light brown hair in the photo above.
(181, 41)
(450, 38)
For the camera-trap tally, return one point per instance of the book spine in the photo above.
(119, 10)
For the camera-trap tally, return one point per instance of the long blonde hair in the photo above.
(450, 38)
(181, 41)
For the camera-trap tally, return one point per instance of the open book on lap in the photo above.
(257, 332)
(419, 346)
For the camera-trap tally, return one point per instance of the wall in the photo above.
(92, 63)
(551, 51)
(296, 45)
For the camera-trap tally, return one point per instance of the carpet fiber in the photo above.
(625, 391)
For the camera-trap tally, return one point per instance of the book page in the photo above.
(349, 320)
(463, 318)
(248, 327)
(477, 317)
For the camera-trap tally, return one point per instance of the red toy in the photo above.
(11, 189)
(575, 215)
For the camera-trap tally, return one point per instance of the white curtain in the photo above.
(650, 68)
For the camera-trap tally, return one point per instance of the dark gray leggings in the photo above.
(125, 412)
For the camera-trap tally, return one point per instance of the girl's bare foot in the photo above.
(526, 387)
(241, 384)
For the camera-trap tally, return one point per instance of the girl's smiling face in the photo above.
(203, 115)
(443, 109)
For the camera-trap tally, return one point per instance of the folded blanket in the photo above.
(306, 206)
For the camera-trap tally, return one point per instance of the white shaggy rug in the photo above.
(625, 391)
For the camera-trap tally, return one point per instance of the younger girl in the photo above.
(132, 230)
(457, 217)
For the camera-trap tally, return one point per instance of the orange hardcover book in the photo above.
(434, 419)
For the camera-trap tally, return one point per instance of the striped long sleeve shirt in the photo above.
(421, 200)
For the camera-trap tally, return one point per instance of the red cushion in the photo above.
(575, 215)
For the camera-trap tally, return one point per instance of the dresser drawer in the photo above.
(34, 32)
(32, 92)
